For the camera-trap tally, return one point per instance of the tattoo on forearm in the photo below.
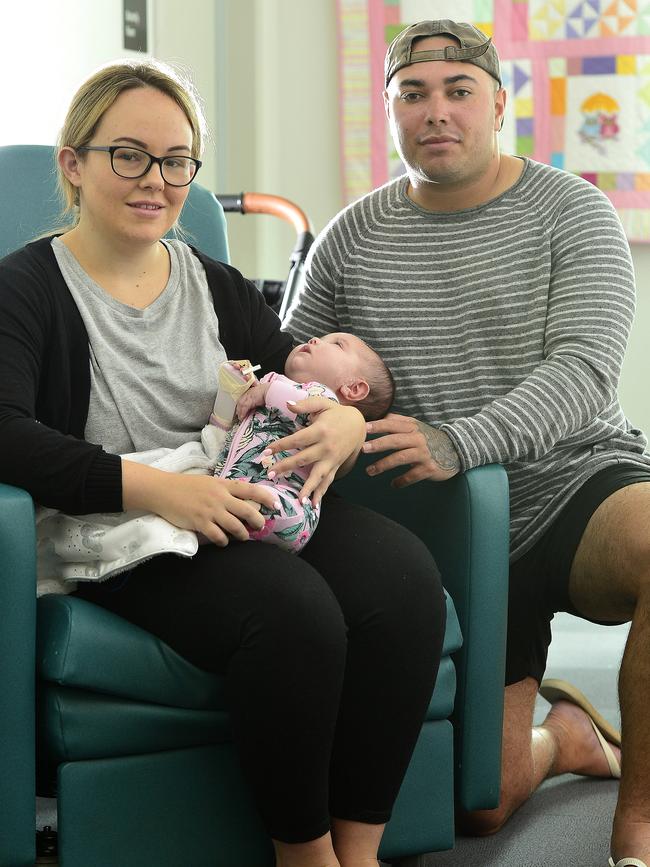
(440, 447)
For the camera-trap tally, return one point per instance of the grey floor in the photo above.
(568, 820)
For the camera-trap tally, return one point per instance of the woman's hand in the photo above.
(219, 509)
(429, 452)
(333, 438)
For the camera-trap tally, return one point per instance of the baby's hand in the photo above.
(255, 396)
(245, 365)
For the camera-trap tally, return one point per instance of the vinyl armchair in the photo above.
(134, 741)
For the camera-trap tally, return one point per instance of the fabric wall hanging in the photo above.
(577, 74)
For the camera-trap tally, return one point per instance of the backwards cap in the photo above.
(475, 47)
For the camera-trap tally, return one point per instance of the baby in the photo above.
(340, 367)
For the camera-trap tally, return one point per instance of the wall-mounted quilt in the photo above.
(577, 74)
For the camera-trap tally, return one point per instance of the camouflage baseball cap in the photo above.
(475, 47)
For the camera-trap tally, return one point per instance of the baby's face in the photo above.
(334, 360)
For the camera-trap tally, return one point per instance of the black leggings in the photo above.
(330, 657)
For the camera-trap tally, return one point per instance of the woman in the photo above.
(109, 343)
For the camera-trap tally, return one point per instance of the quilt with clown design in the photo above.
(577, 74)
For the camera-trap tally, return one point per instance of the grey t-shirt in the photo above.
(153, 372)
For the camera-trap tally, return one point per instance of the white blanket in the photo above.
(95, 547)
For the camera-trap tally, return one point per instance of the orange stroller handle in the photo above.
(278, 206)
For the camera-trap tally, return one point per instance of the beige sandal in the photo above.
(561, 690)
(627, 862)
(614, 765)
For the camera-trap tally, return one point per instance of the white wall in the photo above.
(635, 385)
(49, 48)
(281, 119)
(47, 51)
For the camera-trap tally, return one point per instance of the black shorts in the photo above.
(539, 580)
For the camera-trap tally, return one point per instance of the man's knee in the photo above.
(610, 574)
(516, 786)
(483, 823)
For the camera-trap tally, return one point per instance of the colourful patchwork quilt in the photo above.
(577, 74)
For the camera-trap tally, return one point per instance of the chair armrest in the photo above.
(17, 687)
(471, 546)
(465, 523)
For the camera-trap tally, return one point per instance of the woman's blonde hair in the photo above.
(97, 95)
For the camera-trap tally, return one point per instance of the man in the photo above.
(501, 293)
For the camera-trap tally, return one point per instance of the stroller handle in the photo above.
(265, 203)
(277, 206)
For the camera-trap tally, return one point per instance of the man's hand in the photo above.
(429, 452)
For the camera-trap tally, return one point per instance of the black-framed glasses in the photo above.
(177, 171)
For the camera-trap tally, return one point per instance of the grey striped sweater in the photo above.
(505, 325)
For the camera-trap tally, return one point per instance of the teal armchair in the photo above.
(134, 741)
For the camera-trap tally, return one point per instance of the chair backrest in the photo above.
(30, 204)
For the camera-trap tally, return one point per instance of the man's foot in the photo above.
(575, 727)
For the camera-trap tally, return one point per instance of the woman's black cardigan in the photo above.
(45, 376)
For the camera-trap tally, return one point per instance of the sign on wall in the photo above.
(577, 74)
(135, 25)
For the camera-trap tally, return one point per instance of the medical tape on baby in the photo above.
(247, 370)
(232, 384)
